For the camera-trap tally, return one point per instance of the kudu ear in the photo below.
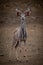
(18, 12)
(27, 12)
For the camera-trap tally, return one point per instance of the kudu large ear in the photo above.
(27, 12)
(18, 12)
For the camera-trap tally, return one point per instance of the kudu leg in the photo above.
(17, 44)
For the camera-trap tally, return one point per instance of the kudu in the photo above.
(21, 34)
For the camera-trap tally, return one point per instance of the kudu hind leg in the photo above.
(17, 44)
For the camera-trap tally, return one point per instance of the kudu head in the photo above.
(23, 14)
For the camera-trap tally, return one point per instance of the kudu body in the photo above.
(21, 34)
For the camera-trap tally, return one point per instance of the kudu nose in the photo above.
(22, 18)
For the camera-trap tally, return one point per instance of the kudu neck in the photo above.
(23, 24)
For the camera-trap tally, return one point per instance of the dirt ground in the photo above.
(30, 53)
